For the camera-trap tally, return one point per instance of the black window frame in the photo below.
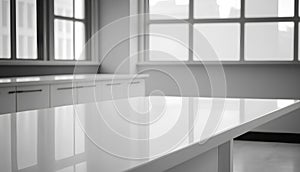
(242, 20)
(86, 21)
(45, 32)
(13, 33)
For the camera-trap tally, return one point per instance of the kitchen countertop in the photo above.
(50, 79)
(135, 134)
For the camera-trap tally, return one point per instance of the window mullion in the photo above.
(13, 33)
(74, 55)
(146, 32)
(41, 30)
(51, 30)
(296, 31)
(242, 32)
(191, 30)
(90, 25)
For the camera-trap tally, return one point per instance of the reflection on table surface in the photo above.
(118, 135)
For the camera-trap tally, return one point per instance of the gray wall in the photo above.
(252, 81)
(114, 54)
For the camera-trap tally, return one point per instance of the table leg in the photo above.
(225, 157)
(218, 159)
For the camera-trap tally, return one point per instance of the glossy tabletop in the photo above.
(126, 134)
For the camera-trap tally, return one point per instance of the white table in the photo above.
(140, 134)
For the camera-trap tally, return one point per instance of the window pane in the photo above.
(168, 42)
(269, 41)
(26, 29)
(173, 8)
(63, 8)
(269, 8)
(217, 8)
(79, 9)
(80, 41)
(63, 40)
(216, 42)
(5, 29)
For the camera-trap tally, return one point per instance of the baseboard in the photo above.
(270, 137)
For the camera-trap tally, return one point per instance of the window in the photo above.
(222, 30)
(26, 29)
(5, 29)
(179, 9)
(45, 30)
(267, 41)
(69, 30)
(24, 26)
(217, 9)
(175, 50)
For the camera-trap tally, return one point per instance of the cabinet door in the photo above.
(135, 88)
(86, 92)
(32, 97)
(63, 94)
(7, 100)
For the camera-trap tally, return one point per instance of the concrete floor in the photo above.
(266, 157)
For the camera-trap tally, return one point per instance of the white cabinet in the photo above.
(32, 97)
(86, 92)
(7, 100)
(63, 94)
(72, 93)
(42, 95)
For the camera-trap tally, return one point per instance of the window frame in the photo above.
(242, 20)
(13, 33)
(45, 35)
(86, 21)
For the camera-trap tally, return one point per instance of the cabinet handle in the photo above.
(29, 91)
(66, 88)
(70, 88)
(12, 92)
(112, 84)
(87, 86)
(135, 82)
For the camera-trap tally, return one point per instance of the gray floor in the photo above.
(266, 157)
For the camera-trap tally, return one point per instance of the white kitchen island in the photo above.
(143, 134)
